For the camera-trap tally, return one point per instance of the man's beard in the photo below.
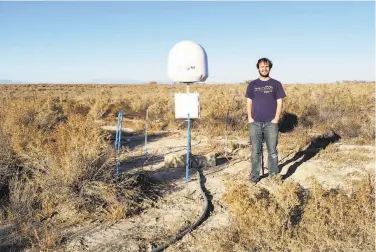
(266, 75)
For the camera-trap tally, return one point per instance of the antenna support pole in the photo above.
(189, 154)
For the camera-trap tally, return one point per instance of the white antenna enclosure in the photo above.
(187, 63)
(187, 103)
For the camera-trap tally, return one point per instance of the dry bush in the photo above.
(292, 219)
(55, 168)
(346, 108)
(58, 169)
(8, 160)
(55, 164)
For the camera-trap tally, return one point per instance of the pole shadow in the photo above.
(133, 140)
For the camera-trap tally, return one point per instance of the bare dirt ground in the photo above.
(182, 203)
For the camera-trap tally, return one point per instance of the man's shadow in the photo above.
(287, 123)
(317, 144)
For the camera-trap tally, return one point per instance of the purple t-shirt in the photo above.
(264, 95)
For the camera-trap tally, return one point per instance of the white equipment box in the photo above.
(187, 103)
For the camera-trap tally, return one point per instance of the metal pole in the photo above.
(117, 133)
(226, 132)
(188, 148)
(146, 132)
(172, 99)
(118, 140)
(188, 142)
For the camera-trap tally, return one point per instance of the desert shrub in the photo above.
(56, 166)
(60, 174)
(346, 108)
(293, 219)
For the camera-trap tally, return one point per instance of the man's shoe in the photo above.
(254, 182)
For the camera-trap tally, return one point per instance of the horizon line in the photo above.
(10, 82)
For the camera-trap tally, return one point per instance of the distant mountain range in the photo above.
(116, 81)
(12, 82)
(94, 81)
(102, 81)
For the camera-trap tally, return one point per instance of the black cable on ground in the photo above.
(202, 217)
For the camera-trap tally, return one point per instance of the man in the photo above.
(264, 105)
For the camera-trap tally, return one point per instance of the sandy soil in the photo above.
(182, 206)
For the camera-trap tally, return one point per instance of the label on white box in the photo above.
(187, 103)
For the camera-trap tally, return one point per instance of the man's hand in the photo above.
(278, 111)
(249, 110)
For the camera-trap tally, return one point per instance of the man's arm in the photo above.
(280, 94)
(249, 110)
(278, 111)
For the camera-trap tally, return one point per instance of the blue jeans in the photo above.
(257, 132)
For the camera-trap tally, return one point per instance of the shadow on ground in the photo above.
(145, 160)
(9, 240)
(169, 174)
(135, 139)
(11, 247)
(317, 144)
(288, 122)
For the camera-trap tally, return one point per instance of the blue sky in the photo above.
(65, 42)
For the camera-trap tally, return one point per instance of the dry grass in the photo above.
(56, 165)
(292, 219)
(351, 157)
(348, 109)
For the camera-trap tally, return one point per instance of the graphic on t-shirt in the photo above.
(264, 89)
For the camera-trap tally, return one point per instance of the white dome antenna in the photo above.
(187, 63)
